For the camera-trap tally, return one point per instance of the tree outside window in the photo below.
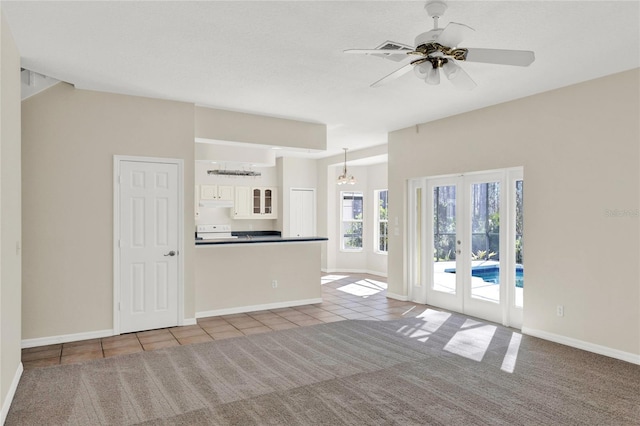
(382, 221)
(352, 214)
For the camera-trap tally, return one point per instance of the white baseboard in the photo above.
(397, 297)
(6, 404)
(253, 308)
(354, 271)
(581, 344)
(189, 321)
(64, 338)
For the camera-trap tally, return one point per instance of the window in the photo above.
(352, 209)
(382, 221)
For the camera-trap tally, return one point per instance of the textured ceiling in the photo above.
(285, 58)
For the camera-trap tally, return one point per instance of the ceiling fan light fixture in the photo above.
(422, 70)
(433, 77)
(451, 69)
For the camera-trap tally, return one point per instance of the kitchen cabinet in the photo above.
(242, 203)
(216, 192)
(264, 203)
(255, 203)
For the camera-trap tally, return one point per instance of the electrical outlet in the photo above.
(274, 283)
(560, 310)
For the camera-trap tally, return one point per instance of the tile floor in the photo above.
(345, 296)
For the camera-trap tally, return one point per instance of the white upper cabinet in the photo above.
(242, 203)
(264, 203)
(216, 192)
(255, 203)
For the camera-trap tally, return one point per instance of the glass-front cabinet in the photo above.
(262, 203)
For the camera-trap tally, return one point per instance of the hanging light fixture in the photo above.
(344, 178)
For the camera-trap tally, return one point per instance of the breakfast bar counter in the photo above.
(251, 239)
(256, 272)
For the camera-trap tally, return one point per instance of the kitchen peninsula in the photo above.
(256, 271)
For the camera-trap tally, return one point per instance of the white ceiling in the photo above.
(285, 58)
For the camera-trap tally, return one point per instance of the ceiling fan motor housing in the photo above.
(436, 8)
(428, 37)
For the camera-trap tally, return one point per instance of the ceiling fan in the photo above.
(437, 49)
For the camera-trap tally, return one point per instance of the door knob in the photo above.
(171, 253)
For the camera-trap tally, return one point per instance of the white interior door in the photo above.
(148, 245)
(302, 210)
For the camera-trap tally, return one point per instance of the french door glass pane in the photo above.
(444, 239)
(519, 255)
(485, 241)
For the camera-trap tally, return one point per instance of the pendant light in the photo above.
(344, 178)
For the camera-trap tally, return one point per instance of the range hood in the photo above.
(216, 203)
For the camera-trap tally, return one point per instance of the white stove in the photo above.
(213, 232)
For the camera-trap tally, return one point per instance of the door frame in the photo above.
(117, 159)
(420, 272)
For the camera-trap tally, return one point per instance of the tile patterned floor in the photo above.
(345, 296)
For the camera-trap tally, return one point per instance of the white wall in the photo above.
(579, 147)
(216, 124)
(369, 178)
(10, 220)
(69, 138)
(376, 180)
(239, 277)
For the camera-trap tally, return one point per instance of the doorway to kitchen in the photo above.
(148, 243)
(466, 246)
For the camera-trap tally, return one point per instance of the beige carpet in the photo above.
(439, 369)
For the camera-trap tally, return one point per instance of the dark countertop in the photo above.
(253, 237)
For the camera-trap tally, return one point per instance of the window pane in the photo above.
(383, 237)
(352, 235)
(352, 206)
(381, 233)
(444, 223)
(383, 204)
(519, 247)
(352, 210)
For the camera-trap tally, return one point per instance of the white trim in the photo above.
(64, 338)
(581, 344)
(6, 404)
(117, 159)
(253, 308)
(189, 321)
(397, 297)
(354, 271)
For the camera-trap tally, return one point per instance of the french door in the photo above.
(464, 244)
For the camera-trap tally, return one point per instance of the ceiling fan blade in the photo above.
(521, 58)
(457, 76)
(378, 51)
(453, 34)
(397, 73)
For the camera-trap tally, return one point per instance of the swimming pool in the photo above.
(491, 273)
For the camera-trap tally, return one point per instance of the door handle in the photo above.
(171, 253)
